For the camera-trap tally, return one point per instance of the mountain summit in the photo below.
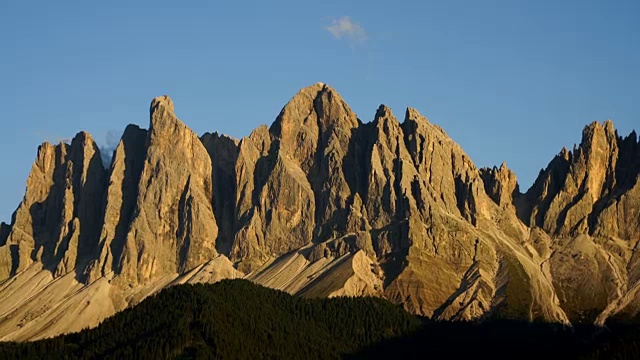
(320, 204)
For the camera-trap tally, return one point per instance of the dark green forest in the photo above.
(503, 339)
(236, 319)
(232, 319)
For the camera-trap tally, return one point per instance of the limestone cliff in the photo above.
(60, 216)
(587, 200)
(173, 228)
(323, 204)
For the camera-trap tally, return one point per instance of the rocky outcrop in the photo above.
(500, 184)
(463, 253)
(586, 200)
(281, 219)
(223, 151)
(124, 180)
(314, 130)
(322, 204)
(586, 175)
(305, 149)
(173, 228)
(57, 222)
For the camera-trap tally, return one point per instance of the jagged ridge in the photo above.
(322, 204)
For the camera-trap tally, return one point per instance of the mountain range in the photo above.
(322, 204)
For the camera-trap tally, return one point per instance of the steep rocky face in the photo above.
(548, 183)
(304, 148)
(57, 221)
(173, 227)
(450, 176)
(322, 204)
(390, 173)
(590, 176)
(500, 184)
(281, 219)
(587, 199)
(124, 180)
(314, 130)
(223, 151)
(89, 183)
(463, 254)
(616, 213)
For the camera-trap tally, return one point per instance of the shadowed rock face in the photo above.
(61, 214)
(223, 151)
(322, 204)
(124, 179)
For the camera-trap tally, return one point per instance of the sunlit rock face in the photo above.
(323, 204)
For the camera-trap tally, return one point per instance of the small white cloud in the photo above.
(344, 28)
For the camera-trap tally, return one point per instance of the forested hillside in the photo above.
(231, 319)
(237, 319)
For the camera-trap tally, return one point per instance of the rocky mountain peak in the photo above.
(500, 184)
(323, 204)
(387, 124)
(578, 184)
(161, 102)
(312, 111)
(83, 138)
(163, 121)
(56, 223)
(414, 114)
(173, 228)
(596, 134)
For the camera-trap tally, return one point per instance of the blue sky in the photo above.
(510, 81)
